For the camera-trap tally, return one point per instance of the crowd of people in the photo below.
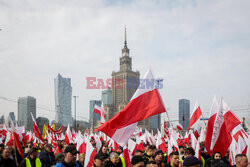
(40, 155)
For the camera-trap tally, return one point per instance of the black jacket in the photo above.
(47, 159)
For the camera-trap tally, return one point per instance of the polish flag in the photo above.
(36, 130)
(100, 111)
(145, 103)
(179, 127)
(210, 125)
(166, 131)
(195, 115)
(68, 136)
(224, 123)
(160, 143)
(198, 150)
(127, 156)
(90, 154)
(16, 139)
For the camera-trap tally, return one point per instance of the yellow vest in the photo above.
(38, 162)
(123, 161)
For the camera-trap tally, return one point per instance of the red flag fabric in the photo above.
(36, 130)
(145, 103)
(179, 127)
(126, 157)
(195, 115)
(90, 154)
(210, 125)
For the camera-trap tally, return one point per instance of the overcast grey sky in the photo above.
(200, 48)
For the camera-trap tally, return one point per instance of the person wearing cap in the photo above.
(191, 161)
(137, 161)
(47, 157)
(70, 153)
(32, 159)
(158, 158)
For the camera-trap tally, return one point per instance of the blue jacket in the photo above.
(60, 164)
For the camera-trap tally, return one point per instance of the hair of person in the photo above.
(113, 154)
(189, 151)
(173, 153)
(181, 147)
(146, 144)
(151, 162)
(138, 151)
(151, 147)
(239, 156)
(214, 154)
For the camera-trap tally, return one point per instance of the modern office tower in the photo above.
(26, 106)
(63, 99)
(184, 113)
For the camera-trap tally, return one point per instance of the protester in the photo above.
(137, 161)
(32, 159)
(47, 157)
(148, 155)
(241, 160)
(151, 164)
(191, 161)
(174, 160)
(158, 157)
(5, 160)
(81, 160)
(104, 151)
(139, 152)
(99, 161)
(69, 158)
(215, 156)
(114, 161)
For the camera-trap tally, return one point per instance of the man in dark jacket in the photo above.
(5, 159)
(32, 159)
(47, 157)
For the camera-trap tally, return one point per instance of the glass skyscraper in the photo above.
(184, 113)
(94, 117)
(26, 105)
(63, 99)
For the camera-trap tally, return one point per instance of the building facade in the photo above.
(26, 106)
(184, 113)
(94, 118)
(63, 100)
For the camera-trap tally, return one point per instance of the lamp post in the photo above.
(75, 110)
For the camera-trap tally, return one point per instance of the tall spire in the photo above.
(125, 48)
(125, 42)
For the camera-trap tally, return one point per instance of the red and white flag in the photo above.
(68, 136)
(36, 130)
(224, 123)
(179, 126)
(90, 154)
(210, 125)
(100, 111)
(160, 143)
(195, 115)
(145, 103)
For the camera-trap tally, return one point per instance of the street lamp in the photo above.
(75, 110)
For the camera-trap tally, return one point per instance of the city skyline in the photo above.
(199, 48)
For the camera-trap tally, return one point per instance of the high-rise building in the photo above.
(124, 84)
(26, 106)
(107, 97)
(2, 119)
(94, 118)
(184, 113)
(63, 99)
(155, 122)
(12, 116)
